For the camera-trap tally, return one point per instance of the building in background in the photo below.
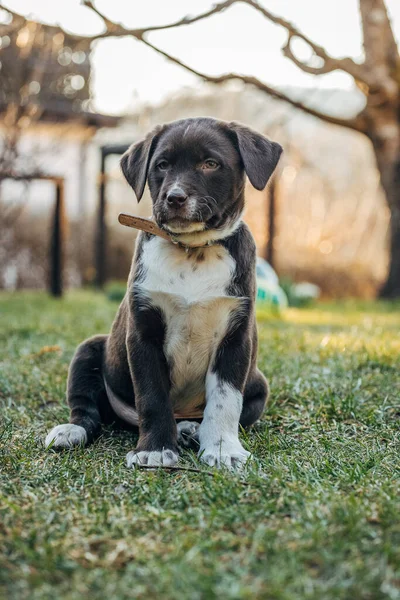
(46, 130)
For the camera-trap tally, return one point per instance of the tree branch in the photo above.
(348, 65)
(117, 30)
(379, 40)
(113, 29)
(382, 57)
(357, 123)
(217, 8)
(330, 64)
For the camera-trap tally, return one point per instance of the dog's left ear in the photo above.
(259, 155)
(135, 161)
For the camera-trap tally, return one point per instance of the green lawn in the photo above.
(318, 517)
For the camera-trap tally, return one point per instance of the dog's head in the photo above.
(196, 171)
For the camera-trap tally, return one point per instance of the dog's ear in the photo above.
(135, 161)
(259, 155)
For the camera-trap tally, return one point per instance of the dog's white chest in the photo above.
(190, 290)
(194, 276)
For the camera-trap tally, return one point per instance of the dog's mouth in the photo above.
(182, 225)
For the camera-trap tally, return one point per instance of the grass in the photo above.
(317, 518)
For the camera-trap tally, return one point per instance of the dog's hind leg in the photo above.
(188, 434)
(86, 397)
(254, 399)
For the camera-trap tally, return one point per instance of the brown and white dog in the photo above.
(184, 342)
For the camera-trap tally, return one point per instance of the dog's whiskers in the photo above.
(209, 208)
(205, 202)
(210, 198)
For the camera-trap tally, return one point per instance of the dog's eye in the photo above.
(210, 165)
(163, 165)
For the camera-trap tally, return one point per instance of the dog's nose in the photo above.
(176, 196)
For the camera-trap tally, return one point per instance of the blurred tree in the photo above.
(378, 78)
(42, 77)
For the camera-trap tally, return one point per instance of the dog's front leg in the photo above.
(218, 433)
(157, 427)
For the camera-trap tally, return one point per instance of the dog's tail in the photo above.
(122, 410)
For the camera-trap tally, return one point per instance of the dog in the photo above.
(180, 362)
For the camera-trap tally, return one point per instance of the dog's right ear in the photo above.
(135, 161)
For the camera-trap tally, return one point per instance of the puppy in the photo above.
(183, 346)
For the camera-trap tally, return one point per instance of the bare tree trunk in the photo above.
(386, 144)
(382, 62)
(391, 289)
(391, 185)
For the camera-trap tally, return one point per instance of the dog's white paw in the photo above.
(225, 454)
(165, 458)
(188, 434)
(66, 436)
